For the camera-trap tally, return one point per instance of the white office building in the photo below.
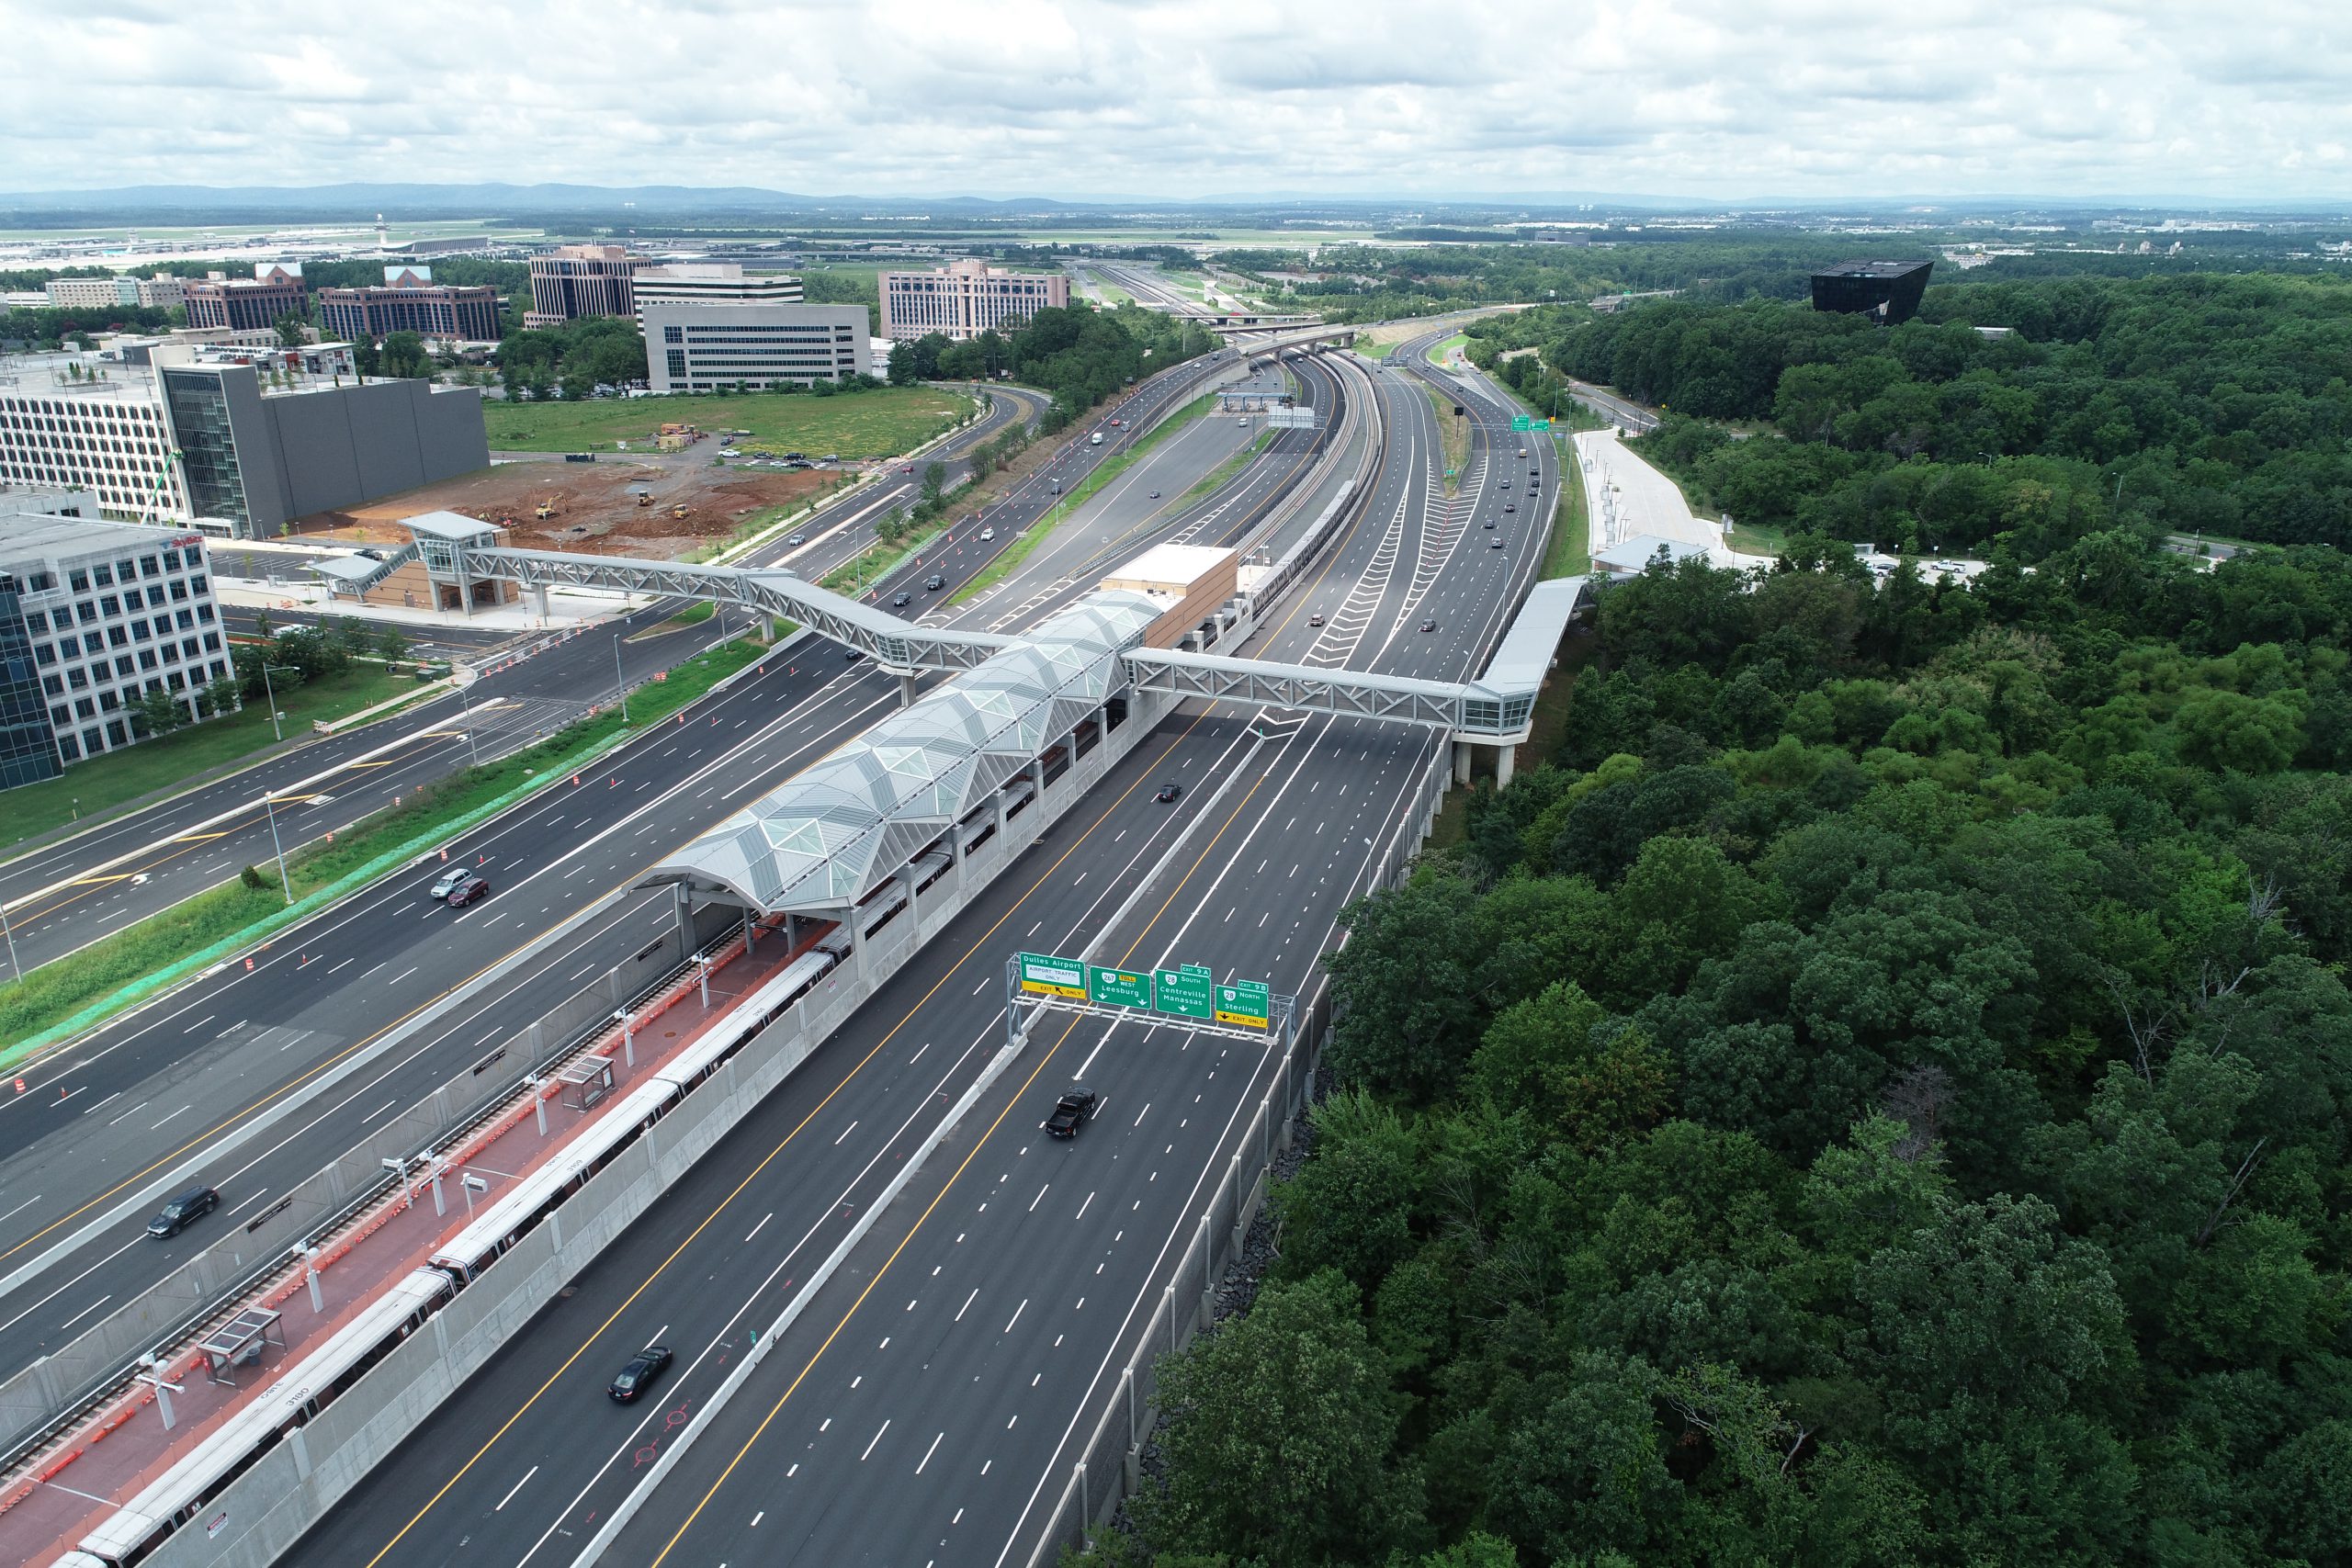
(103, 613)
(712, 283)
(111, 437)
(700, 346)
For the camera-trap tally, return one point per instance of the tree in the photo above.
(290, 332)
(160, 712)
(1277, 1435)
(405, 356)
(391, 645)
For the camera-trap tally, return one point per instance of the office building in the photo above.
(275, 290)
(571, 281)
(93, 616)
(699, 346)
(966, 298)
(712, 283)
(410, 301)
(161, 293)
(1887, 292)
(205, 443)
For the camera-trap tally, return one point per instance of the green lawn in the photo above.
(1443, 346)
(881, 423)
(109, 781)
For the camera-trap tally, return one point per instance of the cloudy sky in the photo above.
(1717, 100)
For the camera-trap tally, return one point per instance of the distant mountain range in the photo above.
(360, 201)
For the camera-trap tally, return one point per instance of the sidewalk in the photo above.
(1635, 508)
(123, 1449)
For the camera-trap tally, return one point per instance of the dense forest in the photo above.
(2197, 405)
(1879, 1096)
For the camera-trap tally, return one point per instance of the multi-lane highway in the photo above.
(208, 1081)
(65, 895)
(921, 1408)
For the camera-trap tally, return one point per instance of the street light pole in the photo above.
(269, 693)
(285, 882)
(14, 967)
(618, 685)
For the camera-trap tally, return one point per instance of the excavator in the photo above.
(545, 510)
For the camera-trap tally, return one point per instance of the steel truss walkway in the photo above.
(900, 647)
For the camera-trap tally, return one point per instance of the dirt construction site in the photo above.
(593, 507)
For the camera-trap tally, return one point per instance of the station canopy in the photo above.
(844, 828)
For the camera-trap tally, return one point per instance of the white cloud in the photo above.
(1077, 98)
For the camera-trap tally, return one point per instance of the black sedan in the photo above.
(639, 1374)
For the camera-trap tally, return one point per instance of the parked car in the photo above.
(183, 1211)
(449, 880)
(1071, 1111)
(639, 1374)
(472, 890)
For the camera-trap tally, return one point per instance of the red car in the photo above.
(473, 889)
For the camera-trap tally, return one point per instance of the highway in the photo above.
(206, 1082)
(922, 1407)
(66, 894)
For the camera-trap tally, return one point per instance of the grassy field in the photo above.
(116, 972)
(1444, 346)
(881, 423)
(1454, 433)
(89, 789)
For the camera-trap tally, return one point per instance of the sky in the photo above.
(1081, 99)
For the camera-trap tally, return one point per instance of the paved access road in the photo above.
(162, 1095)
(923, 1406)
(67, 893)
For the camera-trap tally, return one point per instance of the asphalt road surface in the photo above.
(164, 1093)
(922, 1409)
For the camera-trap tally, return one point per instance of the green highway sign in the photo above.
(1519, 422)
(1049, 977)
(1184, 992)
(1539, 425)
(1118, 988)
(1201, 969)
(1245, 1002)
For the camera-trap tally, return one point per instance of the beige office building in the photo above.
(966, 299)
(571, 281)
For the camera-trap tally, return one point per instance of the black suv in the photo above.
(183, 1211)
(933, 584)
(1071, 1111)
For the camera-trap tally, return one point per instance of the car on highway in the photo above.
(449, 880)
(796, 539)
(933, 584)
(184, 1210)
(1522, 451)
(1168, 792)
(852, 655)
(906, 467)
(1488, 523)
(1506, 484)
(1155, 496)
(902, 599)
(1316, 619)
(472, 890)
(1429, 626)
(1510, 506)
(1071, 1111)
(1496, 543)
(987, 533)
(639, 1374)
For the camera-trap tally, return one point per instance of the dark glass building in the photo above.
(1887, 292)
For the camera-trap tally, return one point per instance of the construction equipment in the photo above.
(545, 510)
(682, 511)
(643, 499)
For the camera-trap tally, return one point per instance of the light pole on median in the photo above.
(270, 692)
(285, 882)
(618, 685)
(14, 967)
